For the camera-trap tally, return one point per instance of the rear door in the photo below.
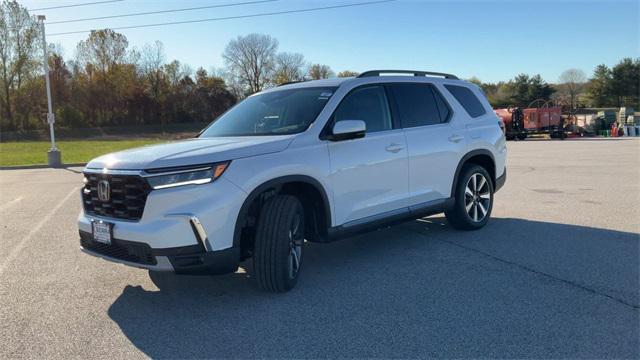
(369, 176)
(435, 143)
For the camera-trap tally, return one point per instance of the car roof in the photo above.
(337, 81)
(331, 82)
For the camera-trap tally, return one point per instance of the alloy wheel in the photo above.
(477, 197)
(296, 239)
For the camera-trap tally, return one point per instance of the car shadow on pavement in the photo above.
(516, 288)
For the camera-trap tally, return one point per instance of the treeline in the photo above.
(109, 83)
(607, 87)
(521, 91)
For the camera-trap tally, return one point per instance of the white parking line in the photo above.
(16, 250)
(5, 206)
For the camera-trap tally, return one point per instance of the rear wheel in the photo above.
(278, 245)
(473, 199)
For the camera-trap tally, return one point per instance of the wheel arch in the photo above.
(310, 191)
(480, 157)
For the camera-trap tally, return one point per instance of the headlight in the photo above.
(194, 175)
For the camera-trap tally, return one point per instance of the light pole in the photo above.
(53, 155)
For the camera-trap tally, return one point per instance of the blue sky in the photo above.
(490, 40)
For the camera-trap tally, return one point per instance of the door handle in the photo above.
(456, 138)
(394, 148)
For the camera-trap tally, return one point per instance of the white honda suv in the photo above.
(314, 160)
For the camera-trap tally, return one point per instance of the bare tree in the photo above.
(250, 60)
(18, 45)
(348, 73)
(573, 81)
(234, 85)
(319, 71)
(175, 72)
(152, 60)
(289, 67)
(172, 71)
(103, 49)
(104, 56)
(152, 57)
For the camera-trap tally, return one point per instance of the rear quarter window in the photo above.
(467, 99)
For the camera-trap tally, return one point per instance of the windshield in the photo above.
(274, 113)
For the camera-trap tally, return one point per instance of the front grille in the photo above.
(128, 195)
(119, 249)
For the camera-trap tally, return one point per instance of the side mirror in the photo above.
(348, 129)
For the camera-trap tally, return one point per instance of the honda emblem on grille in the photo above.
(104, 190)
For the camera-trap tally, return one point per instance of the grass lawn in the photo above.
(35, 152)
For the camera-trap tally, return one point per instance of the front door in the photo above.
(369, 175)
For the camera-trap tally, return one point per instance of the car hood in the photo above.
(191, 152)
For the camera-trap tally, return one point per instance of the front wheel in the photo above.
(278, 245)
(473, 199)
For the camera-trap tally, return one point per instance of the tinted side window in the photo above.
(467, 99)
(418, 105)
(368, 104)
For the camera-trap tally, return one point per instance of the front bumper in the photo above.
(189, 260)
(186, 229)
(167, 219)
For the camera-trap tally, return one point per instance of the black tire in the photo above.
(522, 136)
(276, 240)
(460, 216)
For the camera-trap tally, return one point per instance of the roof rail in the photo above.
(372, 73)
(291, 82)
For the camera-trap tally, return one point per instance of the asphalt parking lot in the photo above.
(555, 274)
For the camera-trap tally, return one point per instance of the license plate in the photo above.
(102, 232)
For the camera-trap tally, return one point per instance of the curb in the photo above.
(41, 166)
